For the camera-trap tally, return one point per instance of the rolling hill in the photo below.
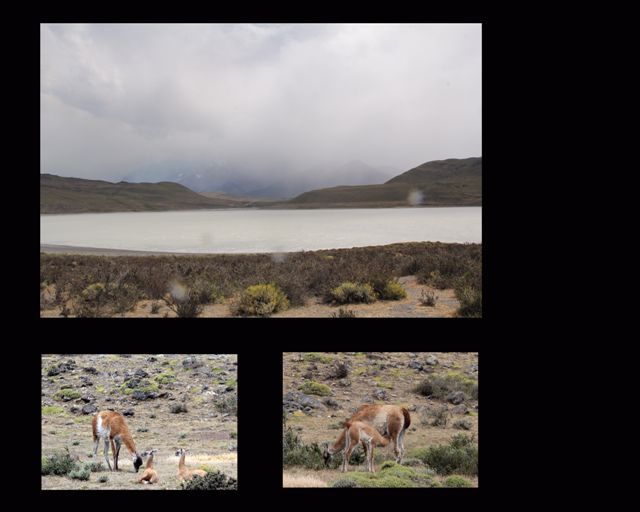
(74, 195)
(452, 182)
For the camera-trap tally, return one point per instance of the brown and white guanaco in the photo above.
(185, 473)
(110, 427)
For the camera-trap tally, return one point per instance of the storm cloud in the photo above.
(117, 98)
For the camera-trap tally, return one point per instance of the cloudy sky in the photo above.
(116, 98)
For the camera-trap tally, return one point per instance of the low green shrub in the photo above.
(352, 293)
(459, 456)
(103, 479)
(261, 300)
(440, 386)
(470, 302)
(178, 408)
(52, 409)
(214, 481)
(81, 472)
(60, 463)
(390, 475)
(457, 481)
(389, 290)
(344, 313)
(316, 357)
(315, 388)
(296, 453)
(228, 404)
(67, 394)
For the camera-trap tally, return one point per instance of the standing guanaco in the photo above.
(111, 428)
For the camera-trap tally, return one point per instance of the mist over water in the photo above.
(253, 231)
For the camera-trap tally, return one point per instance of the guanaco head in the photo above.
(137, 461)
(180, 452)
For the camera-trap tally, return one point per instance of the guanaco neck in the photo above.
(339, 444)
(150, 462)
(181, 463)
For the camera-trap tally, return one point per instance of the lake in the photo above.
(255, 230)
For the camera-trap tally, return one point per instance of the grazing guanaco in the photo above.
(183, 472)
(390, 421)
(149, 476)
(111, 428)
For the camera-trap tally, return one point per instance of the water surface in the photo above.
(254, 230)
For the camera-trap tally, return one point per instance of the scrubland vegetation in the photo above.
(258, 284)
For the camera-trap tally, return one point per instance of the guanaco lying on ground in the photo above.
(183, 472)
(149, 476)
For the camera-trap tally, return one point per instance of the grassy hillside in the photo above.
(453, 182)
(147, 389)
(322, 389)
(75, 195)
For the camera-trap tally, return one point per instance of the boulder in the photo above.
(415, 365)
(140, 374)
(89, 409)
(431, 360)
(128, 412)
(191, 362)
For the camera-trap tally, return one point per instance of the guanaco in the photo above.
(390, 421)
(111, 428)
(183, 472)
(150, 476)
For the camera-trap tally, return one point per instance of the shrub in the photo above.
(344, 313)
(457, 481)
(214, 481)
(261, 300)
(350, 293)
(60, 463)
(178, 408)
(459, 456)
(315, 388)
(186, 307)
(82, 472)
(103, 479)
(439, 387)
(339, 371)
(389, 290)
(470, 302)
(94, 467)
(228, 404)
(440, 417)
(155, 307)
(428, 298)
(462, 424)
(67, 394)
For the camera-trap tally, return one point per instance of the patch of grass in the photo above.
(165, 378)
(49, 410)
(315, 388)
(344, 313)
(352, 293)
(67, 394)
(462, 424)
(389, 290)
(75, 443)
(470, 301)
(457, 481)
(317, 357)
(214, 481)
(390, 475)
(261, 300)
(103, 479)
(459, 456)
(101, 389)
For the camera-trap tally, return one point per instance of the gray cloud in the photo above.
(115, 98)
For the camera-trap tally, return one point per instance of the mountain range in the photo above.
(451, 182)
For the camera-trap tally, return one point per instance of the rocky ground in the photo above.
(375, 377)
(144, 388)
